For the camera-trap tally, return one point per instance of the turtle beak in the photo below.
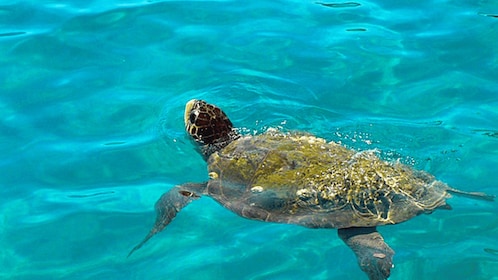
(188, 109)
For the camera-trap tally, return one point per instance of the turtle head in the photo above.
(208, 126)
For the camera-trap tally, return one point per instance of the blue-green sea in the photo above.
(92, 95)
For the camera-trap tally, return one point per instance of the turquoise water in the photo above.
(92, 98)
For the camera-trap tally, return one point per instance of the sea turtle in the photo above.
(297, 178)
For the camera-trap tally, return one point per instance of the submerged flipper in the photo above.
(169, 204)
(374, 256)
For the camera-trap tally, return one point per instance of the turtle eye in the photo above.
(193, 117)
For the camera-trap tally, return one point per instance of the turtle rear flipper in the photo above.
(374, 256)
(170, 203)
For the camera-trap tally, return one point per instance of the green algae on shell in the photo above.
(307, 171)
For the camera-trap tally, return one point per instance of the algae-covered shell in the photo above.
(304, 179)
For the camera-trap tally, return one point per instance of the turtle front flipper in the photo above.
(170, 203)
(373, 254)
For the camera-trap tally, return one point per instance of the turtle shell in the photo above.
(302, 179)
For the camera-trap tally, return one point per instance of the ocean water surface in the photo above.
(91, 128)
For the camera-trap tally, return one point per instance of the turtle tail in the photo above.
(474, 195)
